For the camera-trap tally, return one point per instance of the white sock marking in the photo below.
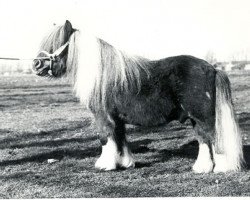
(204, 162)
(111, 158)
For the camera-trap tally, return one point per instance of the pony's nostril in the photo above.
(36, 64)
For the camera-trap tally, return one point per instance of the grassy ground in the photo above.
(41, 120)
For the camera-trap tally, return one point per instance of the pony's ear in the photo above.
(68, 27)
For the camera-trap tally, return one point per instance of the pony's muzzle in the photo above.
(37, 64)
(41, 66)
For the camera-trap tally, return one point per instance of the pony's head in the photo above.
(52, 57)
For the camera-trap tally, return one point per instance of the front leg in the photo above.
(115, 150)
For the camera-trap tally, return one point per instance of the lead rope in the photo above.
(51, 57)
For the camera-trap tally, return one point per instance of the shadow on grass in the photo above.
(54, 143)
(244, 117)
(244, 120)
(5, 131)
(35, 87)
(29, 136)
(140, 146)
(189, 150)
(246, 150)
(16, 175)
(56, 154)
(172, 126)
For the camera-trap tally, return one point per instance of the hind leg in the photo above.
(220, 160)
(204, 161)
(227, 148)
(115, 150)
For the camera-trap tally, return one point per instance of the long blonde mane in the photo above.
(100, 70)
(55, 39)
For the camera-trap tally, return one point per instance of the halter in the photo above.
(51, 57)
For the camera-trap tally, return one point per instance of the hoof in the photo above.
(203, 167)
(105, 165)
(110, 158)
(222, 164)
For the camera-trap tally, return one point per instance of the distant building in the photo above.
(247, 67)
(239, 65)
(229, 66)
(234, 65)
(220, 65)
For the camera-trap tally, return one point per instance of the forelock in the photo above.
(55, 39)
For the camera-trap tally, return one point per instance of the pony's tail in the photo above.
(228, 142)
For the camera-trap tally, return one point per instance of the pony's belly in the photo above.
(144, 119)
(146, 113)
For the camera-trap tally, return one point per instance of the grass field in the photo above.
(41, 120)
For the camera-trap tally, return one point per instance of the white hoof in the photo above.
(204, 163)
(110, 158)
(203, 167)
(126, 160)
(218, 169)
(104, 164)
(223, 165)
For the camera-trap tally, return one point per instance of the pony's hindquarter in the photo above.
(227, 149)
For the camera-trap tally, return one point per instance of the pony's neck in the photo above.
(99, 67)
(83, 63)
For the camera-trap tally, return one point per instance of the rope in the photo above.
(47, 57)
(37, 58)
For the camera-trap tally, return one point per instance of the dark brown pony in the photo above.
(120, 89)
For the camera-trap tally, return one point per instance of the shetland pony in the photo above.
(121, 89)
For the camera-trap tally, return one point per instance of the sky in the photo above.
(151, 28)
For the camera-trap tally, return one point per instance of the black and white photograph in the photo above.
(124, 98)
